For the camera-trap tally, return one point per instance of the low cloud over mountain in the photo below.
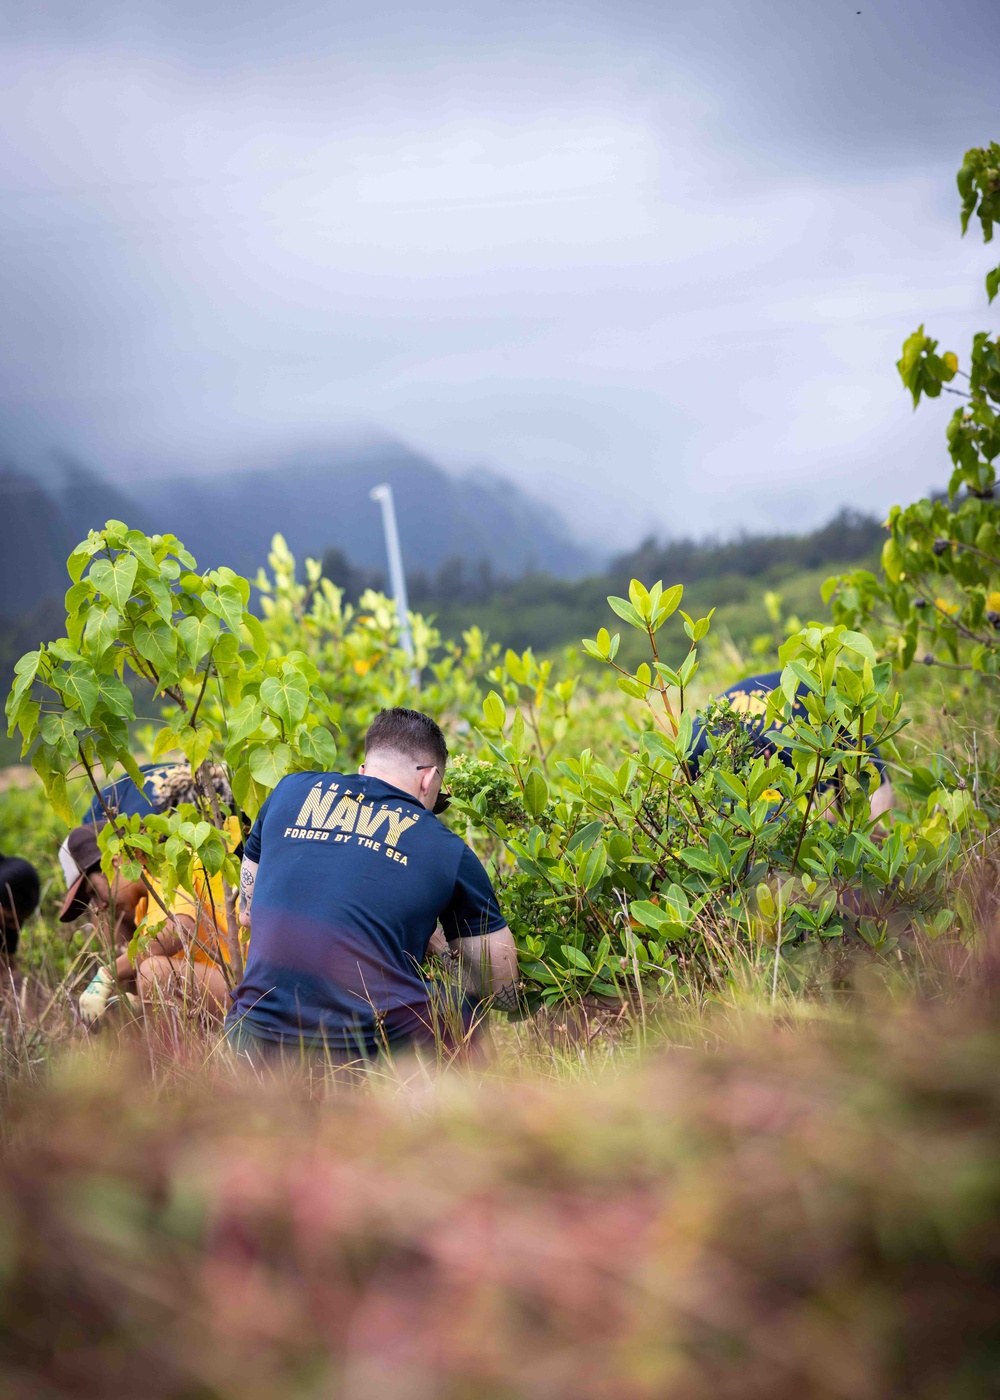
(318, 499)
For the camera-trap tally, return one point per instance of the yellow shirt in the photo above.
(206, 910)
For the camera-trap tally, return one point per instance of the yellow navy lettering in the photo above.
(314, 809)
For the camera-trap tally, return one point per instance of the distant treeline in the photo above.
(848, 537)
(539, 610)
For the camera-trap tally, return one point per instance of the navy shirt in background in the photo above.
(124, 799)
(354, 875)
(748, 698)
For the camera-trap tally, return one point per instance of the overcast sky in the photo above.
(653, 261)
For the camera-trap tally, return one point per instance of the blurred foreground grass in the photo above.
(802, 1204)
(732, 1196)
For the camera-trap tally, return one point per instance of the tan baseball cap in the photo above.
(79, 854)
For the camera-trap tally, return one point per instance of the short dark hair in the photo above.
(409, 733)
(20, 888)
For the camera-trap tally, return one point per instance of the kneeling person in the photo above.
(748, 700)
(20, 892)
(344, 880)
(185, 961)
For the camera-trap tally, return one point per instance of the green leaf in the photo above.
(115, 581)
(286, 696)
(116, 695)
(244, 720)
(101, 629)
(197, 635)
(649, 915)
(517, 733)
(892, 560)
(668, 604)
(164, 742)
(732, 785)
(639, 598)
(515, 667)
(226, 651)
(196, 744)
(78, 561)
(677, 902)
(258, 637)
(860, 644)
(627, 613)
(495, 711)
(585, 836)
(536, 793)
(79, 686)
(882, 676)
(25, 718)
(993, 283)
(319, 746)
(157, 644)
(702, 626)
(59, 727)
(54, 782)
(802, 673)
(227, 604)
(140, 546)
(29, 664)
(698, 860)
(575, 958)
(269, 765)
(25, 672)
(594, 867)
(163, 599)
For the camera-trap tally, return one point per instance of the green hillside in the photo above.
(734, 577)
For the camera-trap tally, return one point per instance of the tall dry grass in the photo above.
(797, 1200)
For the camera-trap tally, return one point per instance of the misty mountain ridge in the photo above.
(317, 498)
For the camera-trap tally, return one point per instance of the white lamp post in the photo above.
(397, 578)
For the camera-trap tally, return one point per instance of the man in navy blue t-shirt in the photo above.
(344, 880)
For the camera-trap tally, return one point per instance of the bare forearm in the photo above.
(489, 967)
(166, 944)
(124, 971)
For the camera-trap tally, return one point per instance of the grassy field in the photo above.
(759, 1193)
(783, 1182)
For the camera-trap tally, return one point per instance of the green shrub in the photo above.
(640, 871)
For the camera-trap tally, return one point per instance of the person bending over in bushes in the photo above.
(343, 883)
(20, 892)
(165, 786)
(748, 700)
(184, 964)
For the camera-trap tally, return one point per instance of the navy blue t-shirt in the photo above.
(354, 875)
(748, 698)
(125, 799)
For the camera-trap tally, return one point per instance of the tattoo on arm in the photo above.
(248, 876)
(506, 998)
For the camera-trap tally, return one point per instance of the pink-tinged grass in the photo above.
(794, 1207)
